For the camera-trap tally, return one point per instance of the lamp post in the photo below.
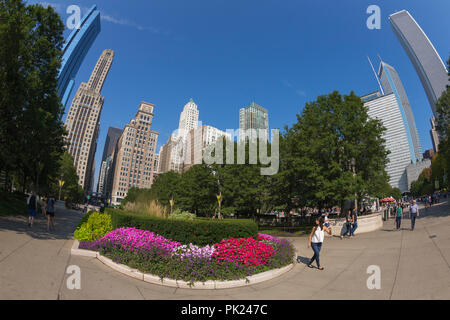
(172, 202)
(61, 183)
(219, 200)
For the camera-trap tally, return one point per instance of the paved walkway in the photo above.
(414, 265)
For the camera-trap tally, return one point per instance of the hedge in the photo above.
(200, 232)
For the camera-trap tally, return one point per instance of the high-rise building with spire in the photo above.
(391, 83)
(82, 122)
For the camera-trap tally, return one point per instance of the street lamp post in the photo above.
(61, 183)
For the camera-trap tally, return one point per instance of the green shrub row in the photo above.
(198, 231)
(96, 226)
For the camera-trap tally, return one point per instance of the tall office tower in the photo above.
(429, 66)
(135, 154)
(74, 51)
(388, 109)
(173, 152)
(252, 117)
(110, 143)
(391, 83)
(434, 134)
(188, 118)
(196, 142)
(82, 121)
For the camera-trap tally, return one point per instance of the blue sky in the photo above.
(226, 54)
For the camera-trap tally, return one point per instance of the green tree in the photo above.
(334, 152)
(71, 191)
(31, 130)
(443, 126)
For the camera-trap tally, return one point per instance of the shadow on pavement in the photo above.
(303, 260)
(65, 224)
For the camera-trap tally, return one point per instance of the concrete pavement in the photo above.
(413, 264)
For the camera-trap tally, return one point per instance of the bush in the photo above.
(84, 218)
(198, 231)
(97, 225)
(183, 215)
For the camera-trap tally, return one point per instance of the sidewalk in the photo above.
(414, 265)
(32, 260)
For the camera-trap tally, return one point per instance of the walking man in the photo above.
(32, 206)
(414, 213)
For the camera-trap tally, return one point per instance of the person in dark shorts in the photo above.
(32, 206)
(51, 213)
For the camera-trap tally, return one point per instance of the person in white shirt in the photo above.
(414, 213)
(315, 241)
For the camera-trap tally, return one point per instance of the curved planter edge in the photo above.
(208, 285)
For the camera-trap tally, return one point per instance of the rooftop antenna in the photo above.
(376, 76)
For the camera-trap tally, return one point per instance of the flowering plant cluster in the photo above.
(249, 252)
(133, 239)
(193, 252)
(229, 259)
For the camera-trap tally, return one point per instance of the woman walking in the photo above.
(315, 241)
(50, 213)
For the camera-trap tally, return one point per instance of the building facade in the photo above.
(252, 117)
(196, 142)
(414, 170)
(387, 109)
(424, 57)
(110, 143)
(391, 83)
(434, 134)
(134, 155)
(74, 51)
(82, 122)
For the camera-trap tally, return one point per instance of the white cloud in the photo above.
(300, 92)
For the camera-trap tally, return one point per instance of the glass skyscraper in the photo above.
(391, 83)
(429, 66)
(253, 117)
(75, 49)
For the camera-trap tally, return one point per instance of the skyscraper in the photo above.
(387, 108)
(75, 49)
(82, 121)
(188, 118)
(110, 143)
(173, 152)
(134, 156)
(427, 62)
(252, 117)
(390, 80)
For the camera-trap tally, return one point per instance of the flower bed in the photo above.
(230, 259)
